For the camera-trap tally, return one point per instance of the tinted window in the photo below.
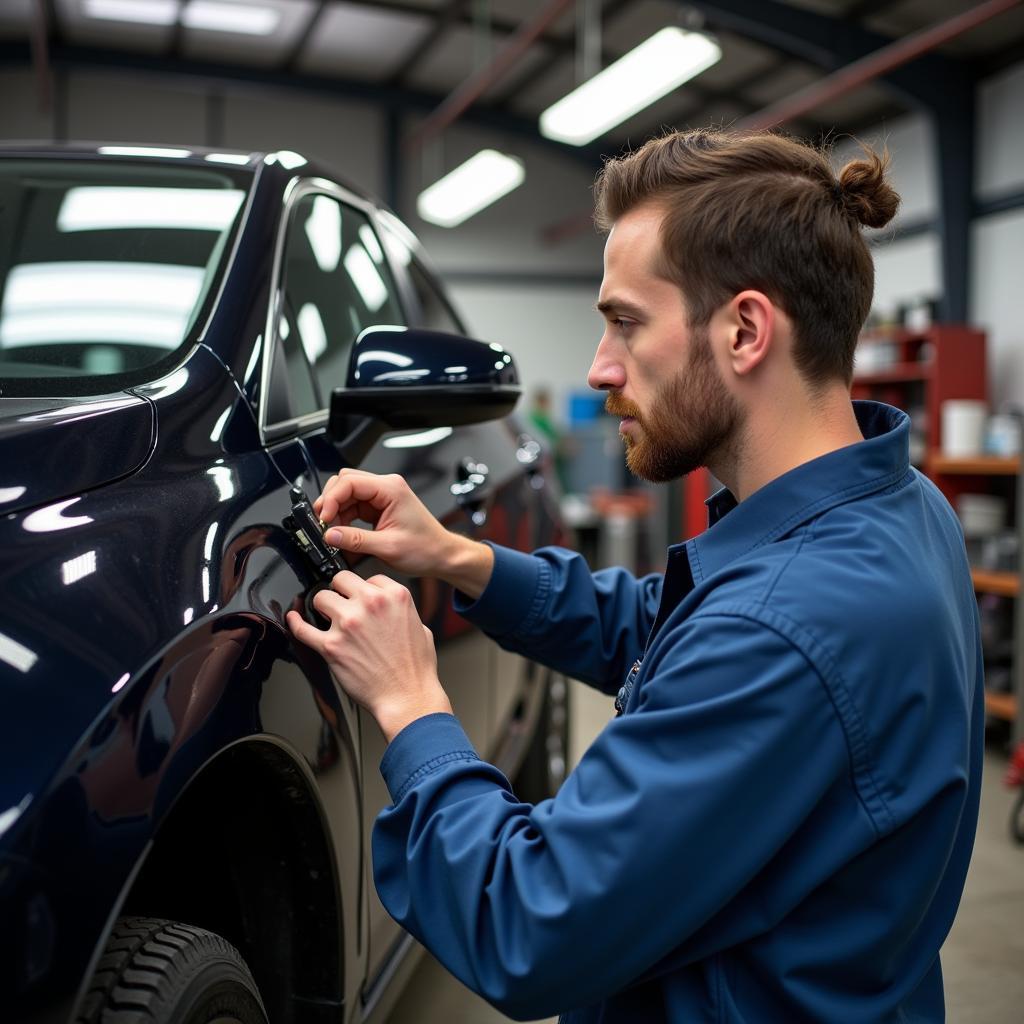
(104, 267)
(336, 284)
(437, 314)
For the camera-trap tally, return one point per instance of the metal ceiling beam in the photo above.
(473, 87)
(63, 58)
(865, 9)
(873, 66)
(559, 48)
(445, 18)
(937, 85)
(291, 62)
(43, 21)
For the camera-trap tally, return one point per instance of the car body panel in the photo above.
(143, 647)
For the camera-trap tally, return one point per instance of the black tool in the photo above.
(308, 532)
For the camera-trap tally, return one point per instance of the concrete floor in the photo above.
(983, 959)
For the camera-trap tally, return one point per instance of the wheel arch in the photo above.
(244, 851)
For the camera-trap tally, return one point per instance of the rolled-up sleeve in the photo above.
(550, 607)
(671, 812)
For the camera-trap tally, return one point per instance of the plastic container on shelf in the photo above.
(963, 427)
(1003, 434)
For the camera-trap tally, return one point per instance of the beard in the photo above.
(692, 419)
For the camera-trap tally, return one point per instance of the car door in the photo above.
(335, 281)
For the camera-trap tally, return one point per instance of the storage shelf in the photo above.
(980, 465)
(1005, 584)
(895, 374)
(1001, 705)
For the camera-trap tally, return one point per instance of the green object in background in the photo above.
(540, 419)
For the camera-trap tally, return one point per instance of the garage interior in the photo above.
(395, 94)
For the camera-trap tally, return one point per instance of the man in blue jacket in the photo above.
(776, 825)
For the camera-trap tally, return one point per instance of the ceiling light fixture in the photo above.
(218, 16)
(477, 183)
(656, 67)
(146, 12)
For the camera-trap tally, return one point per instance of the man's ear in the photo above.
(751, 322)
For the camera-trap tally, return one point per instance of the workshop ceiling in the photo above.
(426, 48)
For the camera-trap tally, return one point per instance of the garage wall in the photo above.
(510, 285)
(908, 269)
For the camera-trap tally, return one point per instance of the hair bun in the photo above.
(864, 192)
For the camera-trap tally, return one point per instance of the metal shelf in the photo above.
(978, 465)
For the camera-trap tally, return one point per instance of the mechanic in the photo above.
(776, 826)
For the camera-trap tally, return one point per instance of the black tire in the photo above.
(161, 972)
(547, 759)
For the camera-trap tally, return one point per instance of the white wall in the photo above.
(553, 332)
(909, 269)
(910, 142)
(997, 280)
(999, 166)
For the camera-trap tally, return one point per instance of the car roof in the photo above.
(170, 154)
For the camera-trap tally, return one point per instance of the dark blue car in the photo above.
(190, 342)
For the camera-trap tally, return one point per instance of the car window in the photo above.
(437, 314)
(336, 284)
(105, 267)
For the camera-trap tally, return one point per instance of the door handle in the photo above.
(469, 488)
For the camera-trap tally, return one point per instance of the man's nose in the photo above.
(606, 371)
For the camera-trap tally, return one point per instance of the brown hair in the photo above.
(766, 212)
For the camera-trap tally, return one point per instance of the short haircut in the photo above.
(761, 211)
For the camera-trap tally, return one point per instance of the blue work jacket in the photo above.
(778, 827)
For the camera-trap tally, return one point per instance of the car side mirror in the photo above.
(410, 379)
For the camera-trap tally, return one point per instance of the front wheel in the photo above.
(161, 972)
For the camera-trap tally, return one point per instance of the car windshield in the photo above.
(105, 268)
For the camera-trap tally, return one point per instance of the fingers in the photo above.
(305, 632)
(369, 492)
(353, 539)
(346, 583)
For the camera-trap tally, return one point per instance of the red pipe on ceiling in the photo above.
(462, 96)
(873, 66)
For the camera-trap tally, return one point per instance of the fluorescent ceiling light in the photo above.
(218, 16)
(468, 189)
(656, 67)
(105, 207)
(148, 12)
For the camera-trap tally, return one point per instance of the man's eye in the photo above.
(623, 324)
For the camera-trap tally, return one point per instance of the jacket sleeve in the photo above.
(671, 812)
(550, 607)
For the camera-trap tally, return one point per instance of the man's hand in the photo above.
(405, 534)
(377, 649)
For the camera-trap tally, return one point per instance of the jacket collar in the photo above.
(881, 460)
